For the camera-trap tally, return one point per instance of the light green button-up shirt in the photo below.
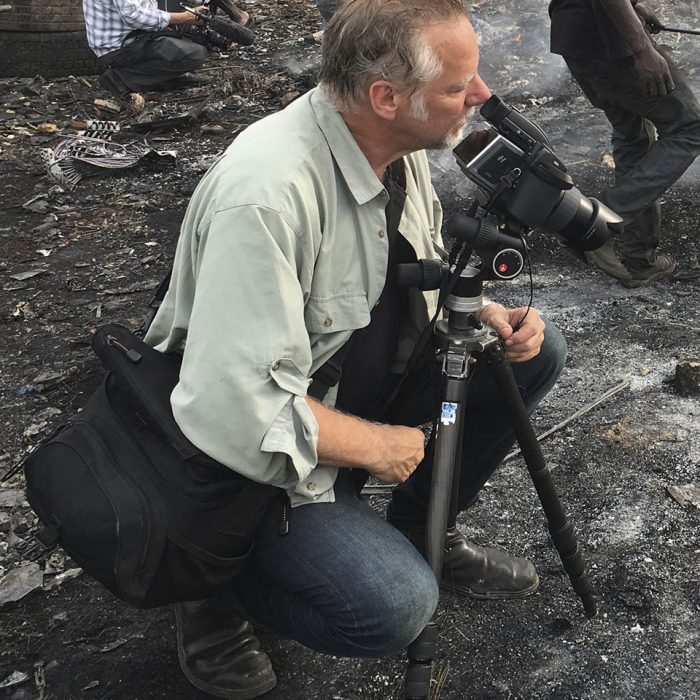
(282, 255)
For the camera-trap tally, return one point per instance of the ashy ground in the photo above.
(626, 471)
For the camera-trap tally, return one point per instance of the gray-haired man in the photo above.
(289, 245)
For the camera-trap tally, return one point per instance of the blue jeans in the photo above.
(344, 581)
(655, 139)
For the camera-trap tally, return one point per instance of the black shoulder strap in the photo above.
(329, 373)
(154, 304)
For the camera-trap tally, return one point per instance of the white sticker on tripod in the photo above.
(449, 413)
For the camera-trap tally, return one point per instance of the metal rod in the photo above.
(679, 31)
(574, 416)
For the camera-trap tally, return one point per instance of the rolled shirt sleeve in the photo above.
(247, 359)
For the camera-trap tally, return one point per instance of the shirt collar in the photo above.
(352, 163)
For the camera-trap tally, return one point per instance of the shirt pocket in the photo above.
(333, 314)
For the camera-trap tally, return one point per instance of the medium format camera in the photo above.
(520, 178)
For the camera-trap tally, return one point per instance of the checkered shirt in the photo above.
(108, 22)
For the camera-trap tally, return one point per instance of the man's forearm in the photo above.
(344, 440)
(625, 19)
(388, 452)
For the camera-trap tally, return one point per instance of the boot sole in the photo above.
(656, 277)
(243, 694)
(491, 595)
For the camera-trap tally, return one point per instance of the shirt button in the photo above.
(380, 233)
(328, 322)
(311, 486)
(275, 365)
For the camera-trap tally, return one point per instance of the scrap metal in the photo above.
(92, 150)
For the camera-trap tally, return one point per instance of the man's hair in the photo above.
(370, 40)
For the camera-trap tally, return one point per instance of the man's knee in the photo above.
(401, 617)
(179, 52)
(389, 615)
(553, 351)
(537, 376)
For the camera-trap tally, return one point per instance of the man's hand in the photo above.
(653, 71)
(522, 344)
(187, 17)
(630, 20)
(649, 19)
(399, 451)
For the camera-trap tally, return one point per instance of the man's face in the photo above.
(437, 116)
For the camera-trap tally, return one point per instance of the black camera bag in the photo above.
(131, 499)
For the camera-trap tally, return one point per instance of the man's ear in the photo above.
(384, 99)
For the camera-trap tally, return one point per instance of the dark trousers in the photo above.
(151, 60)
(344, 581)
(654, 141)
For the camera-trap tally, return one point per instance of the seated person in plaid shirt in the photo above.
(139, 46)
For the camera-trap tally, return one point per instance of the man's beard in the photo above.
(454, 135)
(453, 138)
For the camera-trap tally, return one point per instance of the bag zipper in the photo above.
(132, 354)
(284, 522)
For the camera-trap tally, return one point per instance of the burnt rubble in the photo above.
(76, 254)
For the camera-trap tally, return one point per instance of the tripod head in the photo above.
(502, 256)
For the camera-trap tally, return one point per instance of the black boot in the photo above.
(219, 654)
(480, 572)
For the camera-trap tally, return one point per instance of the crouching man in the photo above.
(136, 44)
(290, 243)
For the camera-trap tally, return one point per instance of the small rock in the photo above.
(687, 379)
(685, 495)
(19, 582)
(15, 678)
(137, 101)
(47, 128)
(211, 129)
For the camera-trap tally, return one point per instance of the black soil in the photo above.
(96, 253)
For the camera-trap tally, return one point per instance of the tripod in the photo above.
(459, 340)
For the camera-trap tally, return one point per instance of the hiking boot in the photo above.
(108, 81)
(480, 572)
(219, 654)
(643, 272)
(607, 260)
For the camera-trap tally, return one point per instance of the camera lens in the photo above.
(583, 223)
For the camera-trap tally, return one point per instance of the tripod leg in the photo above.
(441, 504)
(421, 653)
(562, 532)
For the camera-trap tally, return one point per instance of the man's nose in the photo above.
(479, 93)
